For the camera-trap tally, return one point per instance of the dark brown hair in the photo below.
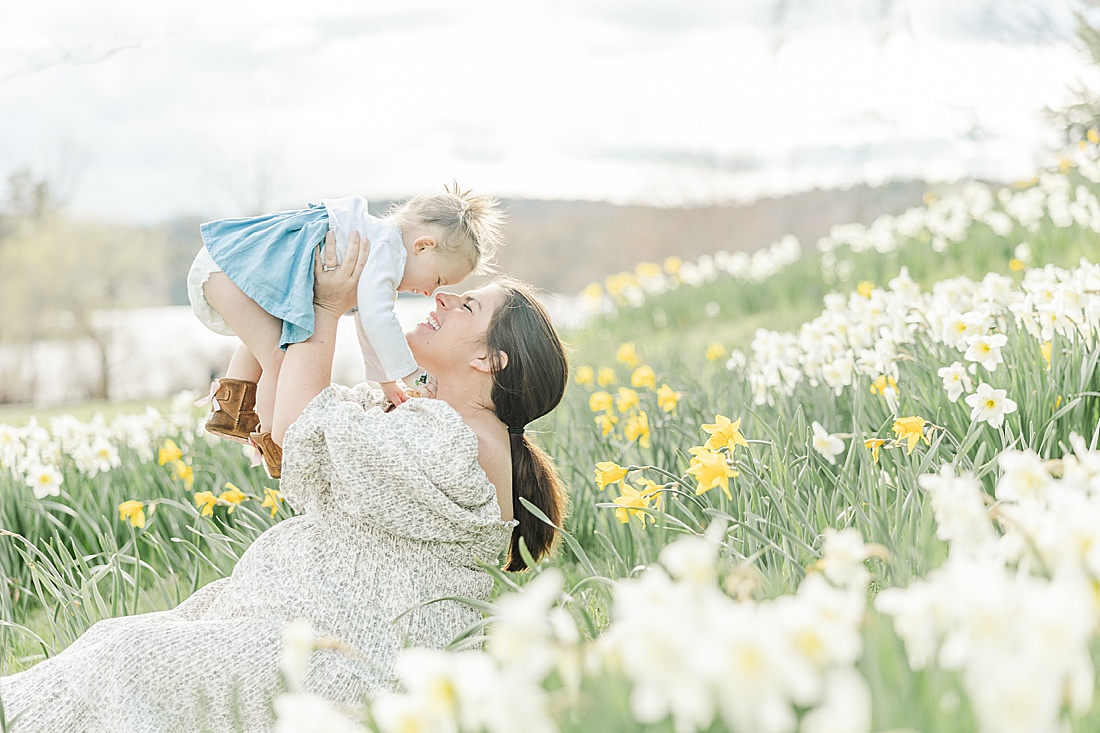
(529, 385)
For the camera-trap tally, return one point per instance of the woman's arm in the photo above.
(307, 366)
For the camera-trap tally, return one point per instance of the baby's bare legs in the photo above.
(260, 331)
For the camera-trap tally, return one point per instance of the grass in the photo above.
(19, 415)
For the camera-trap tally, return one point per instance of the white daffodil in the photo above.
(985, 349)
(956, 380)
(838, 374)
(298, 644)
(990, 405)
(842, 556)
(959, 508)
(528, 628)
(826, 443)
(1023, 476)
(846, 705)
(308, 713)
(44, 480)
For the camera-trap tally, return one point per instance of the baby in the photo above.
(254, 279)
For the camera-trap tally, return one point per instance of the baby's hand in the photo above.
(429, 386)
(394, 393)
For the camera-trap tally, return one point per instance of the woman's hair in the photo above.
(468, 225)
(530, 384)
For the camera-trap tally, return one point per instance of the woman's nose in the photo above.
(446, 300)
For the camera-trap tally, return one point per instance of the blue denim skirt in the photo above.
(270, 258)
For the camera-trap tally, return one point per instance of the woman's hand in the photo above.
(334, 286)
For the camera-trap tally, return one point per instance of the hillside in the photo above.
(564, 245)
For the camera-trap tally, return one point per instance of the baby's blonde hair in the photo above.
(466, 224)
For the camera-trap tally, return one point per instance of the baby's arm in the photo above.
(386, 353)
(393, 391)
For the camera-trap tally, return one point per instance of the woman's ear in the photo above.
(485, 364)
(424, 242)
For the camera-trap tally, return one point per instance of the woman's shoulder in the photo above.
(478, 438)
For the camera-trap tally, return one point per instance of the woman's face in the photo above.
(455, 333)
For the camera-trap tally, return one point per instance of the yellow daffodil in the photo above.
(673, 264)
(710, 468)
(1093, 137)
(637, 429)
(628, 355)
(169, 452)
(608, 472)
(715, 351)
(632, 502)
(626, 399)
(618, 284)
(881, 383)
(645, 270)
(272, 500)
(605, 376)
(600, 402)
(1046, 350)
(606, 422)
(184, 473)
(643, 376)
(1016, 265)
(667, 398)
(134, 511)
(233, 496)
(865, 288)
(651, 489)
(205, 501)
(585, 376)
(593, 292)
(911, 430)
(724, 433)
(874, 444)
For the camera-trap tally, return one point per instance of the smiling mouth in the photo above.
(432, 323)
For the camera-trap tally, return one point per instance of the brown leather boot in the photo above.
(234, 405)
(271, 452)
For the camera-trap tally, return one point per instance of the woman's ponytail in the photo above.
(528, 384)
(533, 470)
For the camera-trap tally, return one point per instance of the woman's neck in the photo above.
(469, 398)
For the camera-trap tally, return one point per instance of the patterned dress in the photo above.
(394, 510)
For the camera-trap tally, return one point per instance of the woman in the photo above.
(394, 509)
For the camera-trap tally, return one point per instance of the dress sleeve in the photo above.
(387, 358)
(412, 472)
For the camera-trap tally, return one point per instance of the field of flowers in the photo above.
(854, 487)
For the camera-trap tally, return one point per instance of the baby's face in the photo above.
(429, 269)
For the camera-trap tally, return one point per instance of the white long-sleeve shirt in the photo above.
(386, 354)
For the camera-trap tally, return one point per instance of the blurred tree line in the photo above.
(59, 272)
(1082, 113)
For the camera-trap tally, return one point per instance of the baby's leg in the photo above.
(244, 365)
(259, 330)
(265, 388)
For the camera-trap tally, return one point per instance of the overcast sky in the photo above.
(147, 109)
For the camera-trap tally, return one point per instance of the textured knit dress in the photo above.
(394, 509)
